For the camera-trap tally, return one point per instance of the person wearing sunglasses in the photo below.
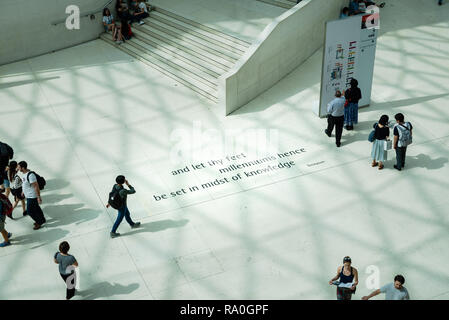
(349, 279)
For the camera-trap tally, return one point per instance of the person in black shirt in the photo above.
(382, 133)
(352, 95)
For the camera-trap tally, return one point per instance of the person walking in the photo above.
(16, 186)
(349, 279)
(335, 117)
(6, 154)
(32, 194)
(6, 183)
(118, 200)
(381, 134)
(6, 235)
(402, 138)
(353, 96)
(67, 264)
(393, 291)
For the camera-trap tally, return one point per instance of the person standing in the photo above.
(118, 199)
(335, 110)
(402, 138)
(347, 275)
(381, 134)
(393, 291)
(353, 96)
(67, 264)
(32, 193)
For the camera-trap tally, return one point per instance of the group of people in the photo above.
(347, 279)
(22, 183)
(358, 7)
(402, 132)
(127, 12)
(343, 111)
(18, 181)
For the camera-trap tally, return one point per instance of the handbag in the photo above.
(371, 135)
(388, 144)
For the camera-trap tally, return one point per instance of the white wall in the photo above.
(284, 44)
(27, 30)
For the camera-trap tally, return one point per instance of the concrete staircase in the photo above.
(191, 53)
(286, 4)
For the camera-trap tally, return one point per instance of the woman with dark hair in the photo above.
(108, 22)
(348, 277)
(381, 134)
(67, 264)
(16, 186)
(352, 95)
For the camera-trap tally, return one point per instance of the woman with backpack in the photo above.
(16, 186)
(381, 134)
(353, 96)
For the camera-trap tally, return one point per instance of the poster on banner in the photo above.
(349, 52)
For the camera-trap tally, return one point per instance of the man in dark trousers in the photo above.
(402, 138)
(335, 117)
(123, 212)
(32, 193)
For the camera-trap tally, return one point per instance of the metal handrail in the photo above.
(85, 14)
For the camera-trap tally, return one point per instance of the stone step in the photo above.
(211, 39)
(165, 35)
(177, 52)
(239, 43)
(186, 35)
(175, 62)
(158, 64)
(280, 3)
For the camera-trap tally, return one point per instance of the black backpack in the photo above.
(6, 150)
(40, 180)
(115, 200)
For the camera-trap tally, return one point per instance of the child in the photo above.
(66, 263)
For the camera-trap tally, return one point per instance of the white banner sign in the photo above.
(349, 52)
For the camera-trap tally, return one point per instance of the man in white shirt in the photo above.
(32, 193)
(393, 291)
(335, 117)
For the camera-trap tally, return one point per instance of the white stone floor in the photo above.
(83, 115)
